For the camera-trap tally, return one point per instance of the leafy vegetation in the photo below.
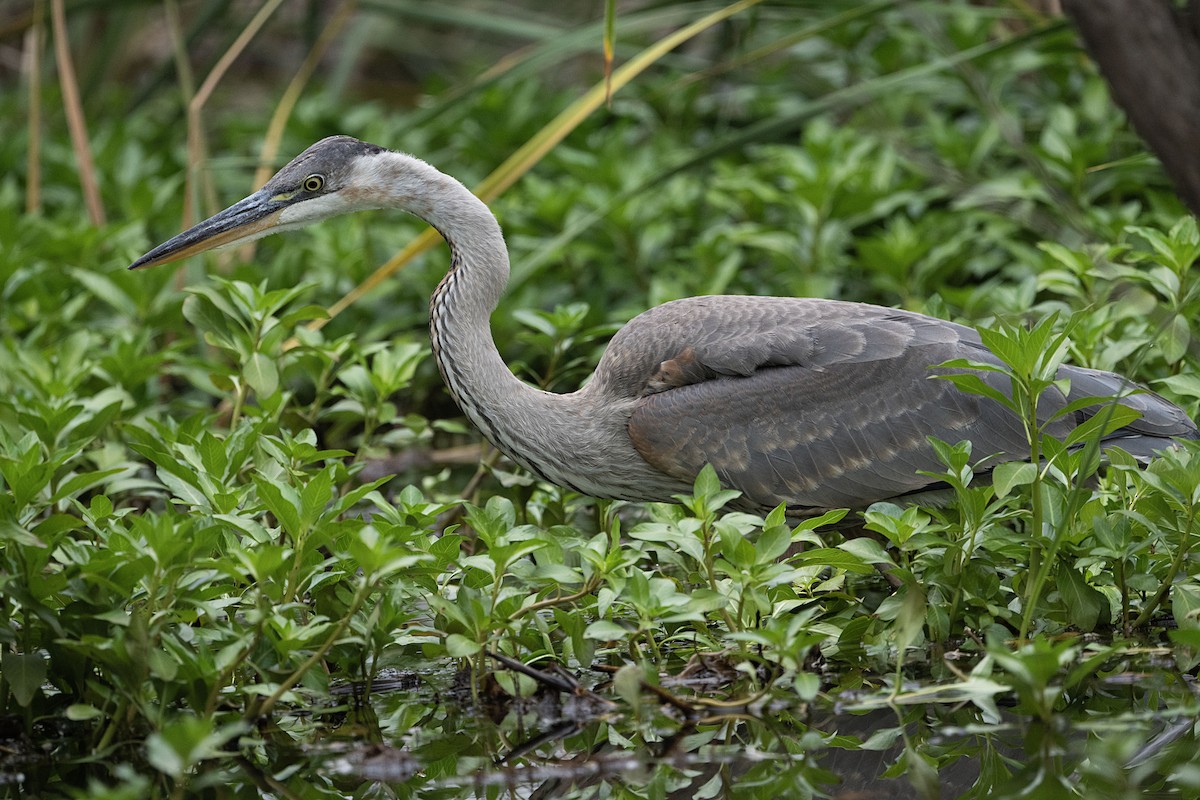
(207, 567)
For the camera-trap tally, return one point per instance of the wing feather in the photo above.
(820, 404)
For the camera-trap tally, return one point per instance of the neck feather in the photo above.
(576, 440)
(511, 414)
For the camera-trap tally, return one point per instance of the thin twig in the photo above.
(74, 111)
(549, 602)
(545, 678)
(670, 699)
(258, 710)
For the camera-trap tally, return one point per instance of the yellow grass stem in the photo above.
(196, 146)
(33, 68)
(74, 111)
(534, 150)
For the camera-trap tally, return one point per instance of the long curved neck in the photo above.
(511, 414)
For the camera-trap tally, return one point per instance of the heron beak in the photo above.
(243, 221)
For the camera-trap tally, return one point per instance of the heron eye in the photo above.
(313, 183)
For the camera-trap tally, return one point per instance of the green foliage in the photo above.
(202, 550)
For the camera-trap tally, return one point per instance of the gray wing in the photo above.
(1160, 423)
(819, 404)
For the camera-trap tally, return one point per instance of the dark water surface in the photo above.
(431, 736)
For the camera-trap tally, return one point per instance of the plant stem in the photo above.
(263, 708)
(710, 571)
(1036, 566)
(1176, 564)
(588, 587)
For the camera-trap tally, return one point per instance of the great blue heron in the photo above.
(811, 403)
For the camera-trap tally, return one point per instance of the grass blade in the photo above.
(529, 154)
(770, 129)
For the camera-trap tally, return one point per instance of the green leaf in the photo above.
(1084, 603)
(353, 497)
(707, 483)
(100, 507)
(262, 374)
(13, 533)
(459, 646)
(1010, 474)
(82, 711)
(315, 496)
(605, 630)
(1185, 605)
(1176, 338)
(833, 557)
(24, 673)
(1188, 638)
(973, 384)
(773, 543)
(1005, 345)
(866, 550)
(1105, 421)
(627, 683)
(290, 319)
(722, 498)
(828, 518)
(806, 686)
(163, 756)
(104, 288)
(77, 484)
(218, 299)
(1187, 384)
(282, 501)
(163, 665)
(210, 321)
(50, 528)
(183, 490)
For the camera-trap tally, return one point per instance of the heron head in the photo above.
(319, 183)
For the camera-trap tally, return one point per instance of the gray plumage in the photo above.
(811, 403)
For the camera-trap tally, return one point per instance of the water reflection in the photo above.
(429, 736)
(868, 750)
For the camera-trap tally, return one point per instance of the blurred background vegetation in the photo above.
(185, 453)
(793, 148)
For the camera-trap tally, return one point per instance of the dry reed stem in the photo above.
(197, 147)
(74, 111)
(291, 95)
(187, 87)
(534, 150)
(34, 40)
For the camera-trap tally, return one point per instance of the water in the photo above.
(429, 735)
